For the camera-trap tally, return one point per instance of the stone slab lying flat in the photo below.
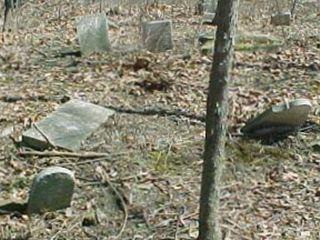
(52, 189)
(67, 127)
(157, 35)
(279, 119)
(92, 33)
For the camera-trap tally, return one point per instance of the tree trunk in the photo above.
(216, 120)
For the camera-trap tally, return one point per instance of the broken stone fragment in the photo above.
(279, 120)
(52, 189)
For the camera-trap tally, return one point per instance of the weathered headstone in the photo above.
(210, 6)
(67, 127)
(52, 189)
(92, 32)
(279, 119)
(85, 2)
(281, 19)
(157, 35)
(208, 18)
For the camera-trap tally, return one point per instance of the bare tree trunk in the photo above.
(216, 120)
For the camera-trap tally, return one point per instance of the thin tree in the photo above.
(216, 120)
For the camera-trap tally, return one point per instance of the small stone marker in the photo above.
(92, 32)
(281, 19)
(67, 127)
(157, 35)
(208, 18)
(279, 119)
(85, 2)
(52, 189)
(206, 41)
(210, 6)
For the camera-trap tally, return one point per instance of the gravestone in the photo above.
(157, 35)
(281, 19)
(92, 33)
(52, 189)
(208, 18)
(206, 42)
(210, 6)
(279, 120)
(67, 127)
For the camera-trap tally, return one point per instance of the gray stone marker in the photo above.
(210, 6)
(157, 35)
(67, 127)
(281, 19)
(52, 189)
(279, 119)
(92, 33)
(208, 18)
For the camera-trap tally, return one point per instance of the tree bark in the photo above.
(216, 120)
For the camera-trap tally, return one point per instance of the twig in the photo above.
(124, 206)
(294, 4)
(84, 162)
(40, 52)
(23, 153)
(157, 111)
(44, 135)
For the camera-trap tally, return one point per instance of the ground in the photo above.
(148, 187)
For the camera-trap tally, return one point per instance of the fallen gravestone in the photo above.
(281, 19)
(92, 32)
(279, 120)
(157, 35)
(67, 127)
(52, 189)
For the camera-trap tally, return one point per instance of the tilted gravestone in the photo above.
(278, 120)
(52, 189)
(92, 33)
(67, 127)
(157, 35)
(281, 19)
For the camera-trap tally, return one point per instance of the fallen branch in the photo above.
(23, 153)
(105, 177)
(49, 142)
(157, 111)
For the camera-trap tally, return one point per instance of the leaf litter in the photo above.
(268, 192)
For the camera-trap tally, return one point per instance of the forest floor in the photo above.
(269, 191)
